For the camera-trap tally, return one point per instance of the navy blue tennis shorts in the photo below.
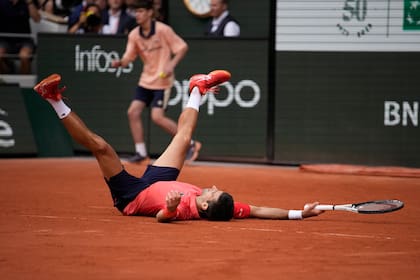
(125, 187)
(152, 97)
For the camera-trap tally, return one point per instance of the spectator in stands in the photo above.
(131, 10)
(77, 10)
(56, 11)
(60, 8)
(102, 4)
(116, 20)
(222, 23)
(90, 21)
(160, 8)
(14, 18)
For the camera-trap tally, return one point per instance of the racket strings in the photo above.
(379, 206)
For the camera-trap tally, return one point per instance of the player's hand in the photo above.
(310, 211)
(173, 198)
(166, 72)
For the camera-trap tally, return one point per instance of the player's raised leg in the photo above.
(107, 158)
(174, 155)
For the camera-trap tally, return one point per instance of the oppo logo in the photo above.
(234, 94)
(98, 60)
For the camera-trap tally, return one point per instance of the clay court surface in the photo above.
(57, 222)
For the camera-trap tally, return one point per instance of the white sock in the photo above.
(60, 108)
(194, 100)
(141, 149)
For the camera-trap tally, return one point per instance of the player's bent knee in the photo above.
(133, 114)
(186, 132)
(183, 139)
(159, 120)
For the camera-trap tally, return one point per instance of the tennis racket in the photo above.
(368, 207)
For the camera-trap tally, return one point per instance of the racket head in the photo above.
(378, 206)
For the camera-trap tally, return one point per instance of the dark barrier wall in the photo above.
(232, 124)
(347, 107)
(15, 129)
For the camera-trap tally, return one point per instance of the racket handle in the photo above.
(323, 207)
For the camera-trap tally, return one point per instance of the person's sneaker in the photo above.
(48, 87)
(193, 151)
(137, 158)
(205, 83)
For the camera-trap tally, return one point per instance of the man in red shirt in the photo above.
(157, 193)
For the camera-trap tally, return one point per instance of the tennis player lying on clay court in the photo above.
(157, 193)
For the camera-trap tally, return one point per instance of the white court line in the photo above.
(43, 230)
(100, 207)
(41, 216)
(250, 229)
(344, 235)
(261, 229)
(330, 234)
(359, 254)
(325, 234)
(108, 220)
(54, 217)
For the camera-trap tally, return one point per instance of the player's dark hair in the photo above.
(220, 210)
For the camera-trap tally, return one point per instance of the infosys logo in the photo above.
(98, 60)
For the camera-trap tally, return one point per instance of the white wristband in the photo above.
(295, 215)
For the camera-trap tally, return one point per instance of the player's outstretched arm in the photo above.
(173, 198)
(262, 212)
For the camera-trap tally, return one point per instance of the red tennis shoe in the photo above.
(205, 83)
(48, 87)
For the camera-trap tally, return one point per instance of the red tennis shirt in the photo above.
(150, 201)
